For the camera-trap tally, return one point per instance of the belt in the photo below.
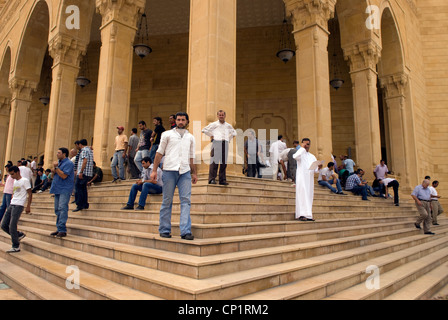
(119, 150)
(425, 200)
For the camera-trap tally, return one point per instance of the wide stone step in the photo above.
(204, 231)
(29, 285)
(425, 286)
(53, 275)
(328, 284)
(212, 246)
(204, 267)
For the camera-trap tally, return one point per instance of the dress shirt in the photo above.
(220, 131)
(177, 149)
(422, 193)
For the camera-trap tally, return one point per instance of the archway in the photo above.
(5, 103)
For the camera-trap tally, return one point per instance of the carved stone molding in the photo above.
(394, 85)
(5, 106)
(362, 56)
(66, 49)
(306, 13)
(22, 89)
(123, 11)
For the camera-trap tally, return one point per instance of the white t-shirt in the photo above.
(325, 172)
(386, 181)
(433, 193)
(20, 191)
(26, 172)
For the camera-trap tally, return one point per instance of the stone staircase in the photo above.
(247, 246)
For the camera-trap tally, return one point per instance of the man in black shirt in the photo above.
(144, 145)
(155, 137)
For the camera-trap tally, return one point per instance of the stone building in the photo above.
(221, 54)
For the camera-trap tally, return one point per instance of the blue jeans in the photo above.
(152, 153)
(145, 189)
(5, 204)
(360, 190)
(171, 179)
(329, 183)
(138, 158)
(118, 160)
(61, 210)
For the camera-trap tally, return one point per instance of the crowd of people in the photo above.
(162, 160)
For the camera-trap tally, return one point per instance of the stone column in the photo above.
(5, 109)
(212, 69)
(115, 73)
(21, 92)
(66, 53)
(395, 100)
(362, 59)
(310, 20)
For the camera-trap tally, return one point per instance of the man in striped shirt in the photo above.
(355, 185)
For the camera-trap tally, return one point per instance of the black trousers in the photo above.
(82, 200)
(218, 158)
(394, 184)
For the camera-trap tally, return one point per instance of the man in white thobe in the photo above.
(304, 182)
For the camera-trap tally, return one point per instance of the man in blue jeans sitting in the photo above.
(356, 185)
(327, 178)
(145, 185)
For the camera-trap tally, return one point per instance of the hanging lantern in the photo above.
(286, 48)
(83, 78)
(335, 82)
(141, 48)
(45, 99)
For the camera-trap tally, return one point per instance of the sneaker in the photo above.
(40, 191)
(139, 208)
(13, 250)
(417, 225)
(188, 236)
(165, 235)
(61, 234)
(396, 204)
(115, 179)
(54, 234)
(127, 207)
(22, 236)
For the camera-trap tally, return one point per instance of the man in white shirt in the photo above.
(221, 133)
(437, 208)
(26, 172)
(389, 182)
(274, 154)
(327, 178)
(178, 147)
(22, 190)
(381, 170)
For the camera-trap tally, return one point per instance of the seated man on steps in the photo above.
(327, 178)
(355, 185)
(145, 185)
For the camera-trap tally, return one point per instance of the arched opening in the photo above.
(5, 104)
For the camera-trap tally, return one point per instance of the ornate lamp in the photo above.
(83, 78)
(45, 99)
(141, 48)
(335, 82)
(286, 49)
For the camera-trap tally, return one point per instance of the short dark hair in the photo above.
(435, 182)
(330, 164)
(134, 130)
(143, 123)
(158, 119)
(48, 170)
(65, 151)
(172, 115)
(359, 171)
(183, 114)
(83, 142)
(147, 159)
(24, 163)
(305, 139)
(77, 142)
(427, 178)
(14, 169)
(279, 137)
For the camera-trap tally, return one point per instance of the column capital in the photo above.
(307, 13)
(66, 49)
(22, 89)
(124, 11)
(362, 56)
(394, 85)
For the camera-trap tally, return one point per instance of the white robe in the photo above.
(304, 183)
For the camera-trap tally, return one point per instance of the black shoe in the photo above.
(127, 207)
(140, 208)
(115, 180)
(342, 193)
(225, 183)
(77, 209)
(436, 224)
(21, 236)
(396, 204)
(188, 236)
(165, 235)
(212, 181)
(53, 234)
(417, 226)
(429, 232)
(61, 234)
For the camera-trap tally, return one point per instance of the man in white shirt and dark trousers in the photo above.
(178, 147)
(221, 133)
(389, 182)
(435, 204)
